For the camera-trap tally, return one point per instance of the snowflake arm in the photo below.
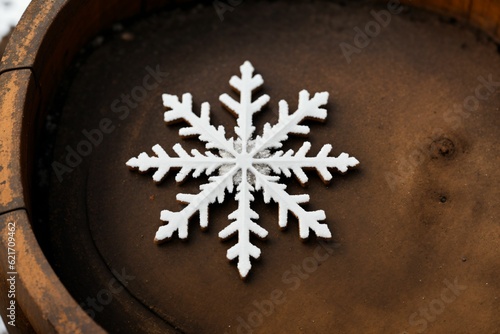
(210, 192)
(289, 162)
(308, 108)
(199, 125)
(245, 108)
(198, 163)
(243, 224)
(308, 220)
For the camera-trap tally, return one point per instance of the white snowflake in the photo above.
(246, 163)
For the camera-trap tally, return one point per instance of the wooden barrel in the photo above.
(42, 47)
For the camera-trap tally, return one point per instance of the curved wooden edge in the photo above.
(63, 25)
(16, 87)
(484, 15)
(38, 292)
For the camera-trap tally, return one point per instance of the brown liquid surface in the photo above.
(394, 242)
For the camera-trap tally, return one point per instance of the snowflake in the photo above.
(246, 163)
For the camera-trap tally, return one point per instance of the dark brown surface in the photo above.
(395, 242)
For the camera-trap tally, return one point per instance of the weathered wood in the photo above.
(40, 296)
(16, 97)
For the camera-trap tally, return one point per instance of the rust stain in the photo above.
(9, 142)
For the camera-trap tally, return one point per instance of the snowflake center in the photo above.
(244, 160)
